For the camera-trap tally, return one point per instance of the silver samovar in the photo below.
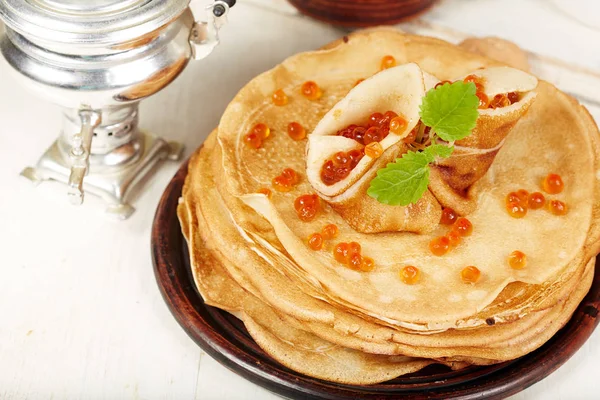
(97, 59)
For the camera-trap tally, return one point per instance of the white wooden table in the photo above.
(80, 313)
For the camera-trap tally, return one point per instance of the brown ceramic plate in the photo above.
(355, 13)
(225, 338)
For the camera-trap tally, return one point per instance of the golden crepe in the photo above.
(400, 89)
(498, 49)
(218, 213)
(315, 315)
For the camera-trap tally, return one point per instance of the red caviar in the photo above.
(279, 98)
(398, 125)
(387, 119)
(388, 62)
(311, 90)
(261, 130)
(439, 246)
(463, 226)
(267, 192)
(330, 231)
(557, 207)
(484, 101)
(374, 130)
(354, 248)
(473, 78)
(307, 206)
(291, 176)
(410, 275)
(355, 261)
(516, 209)
(350, 254)
(305, 200)
(513, 197)
(252, 140)
(315, 241)
(448, 216)
(504, 100)
(373, 150)
(341, 252)
(499, 101)
(553, 184)
(372, 135)
(351, 132)
(340, 165)
(367, 264)
(377, 128)
(296, 131)
(286, 180)
(523, 195)
(470, 274)
(454, 238)
(375, 118)
(536, 200)
(281, 184)
(517, 260)
(257, 134)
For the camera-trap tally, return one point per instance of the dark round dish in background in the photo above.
(224, 337)
(361, 13)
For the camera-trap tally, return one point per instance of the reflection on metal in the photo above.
(98, 59)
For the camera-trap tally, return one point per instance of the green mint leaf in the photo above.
(439, 150)
(451, 110)
(402, 182)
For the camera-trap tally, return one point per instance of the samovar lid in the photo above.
(93, 22)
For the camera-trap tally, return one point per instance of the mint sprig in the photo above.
(451, 112)
(403, 182)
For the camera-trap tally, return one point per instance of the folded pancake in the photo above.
(246, 170)
(266, 267)
(494, 236)
(472, 156)
(317, 316)
(498, 49)
(514, 301)
(293, 347)
(335, 69)
(319, 356)
(400, 90)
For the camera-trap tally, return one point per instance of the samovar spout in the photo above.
(80, 153)
(204, 35)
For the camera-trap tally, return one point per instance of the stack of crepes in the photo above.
(249, 251)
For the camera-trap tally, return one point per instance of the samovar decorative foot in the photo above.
(114, 187)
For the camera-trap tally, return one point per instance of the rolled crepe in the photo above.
(398, 89)
(451, 178)
(401, 90)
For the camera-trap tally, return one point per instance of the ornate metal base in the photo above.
(105, 179)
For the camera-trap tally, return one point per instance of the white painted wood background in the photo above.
(80, 313)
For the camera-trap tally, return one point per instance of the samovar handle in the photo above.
(204, 35)
(79, 154)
